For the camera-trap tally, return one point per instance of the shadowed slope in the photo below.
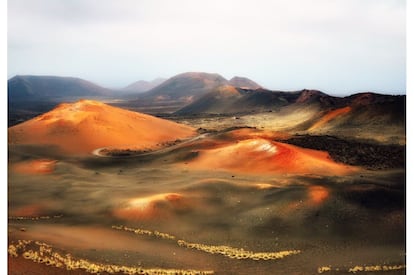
(239, 100)
(218, 101)
(31, 87)
(381, 116)
(31, 95)
(185, 87)
(86, 125)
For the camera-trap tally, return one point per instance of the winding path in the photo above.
(98, 152)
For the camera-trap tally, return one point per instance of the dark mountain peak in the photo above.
(141, 86)
(309, 96)
(216, 101)
(228, 99)
(16, 77)
(363, 98)
(52, 78)
(368, 98)
(34, 87)
(186, 87)
(201, 75)
(244, 82)
(158, 80)
(196, 79)
(226, 91)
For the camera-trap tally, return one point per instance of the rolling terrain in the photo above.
(29, 96)
(241, 180)
(183, 89)
(176, 92)
(302, 112)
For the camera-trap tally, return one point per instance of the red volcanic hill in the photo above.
(331, 115)
(258, 155)
(86, 125)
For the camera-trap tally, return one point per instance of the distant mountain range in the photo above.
(184, 87)
(188, 87)
(30, 95)
(232, 100)
(30, 87)
(143, 85)
(191, 93)
(181, 89)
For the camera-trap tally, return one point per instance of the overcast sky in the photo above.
(337, 46)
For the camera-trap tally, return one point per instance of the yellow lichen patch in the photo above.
(227, 251)
(12, 250)
(15, 249)
(20, 218)
(360, 268)
(238, 253)
(373, 268)
(323, 269)
(45, 255)
(145, 232)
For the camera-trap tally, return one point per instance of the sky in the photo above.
(336, 46)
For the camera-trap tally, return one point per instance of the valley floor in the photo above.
(177, 212)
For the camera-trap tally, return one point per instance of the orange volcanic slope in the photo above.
(38, 166)
(86, 125)
(155, 206)
(329, 116)
(263, 156)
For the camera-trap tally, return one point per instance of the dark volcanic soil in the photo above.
(366, 154)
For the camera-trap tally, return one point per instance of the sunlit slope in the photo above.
(86, 125)
(366, 115)
(259, 155)
(329, 117)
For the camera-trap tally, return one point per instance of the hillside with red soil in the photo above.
(86, 125)
(258, 155)
(330, 116)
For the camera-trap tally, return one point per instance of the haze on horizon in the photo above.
(337, 46)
